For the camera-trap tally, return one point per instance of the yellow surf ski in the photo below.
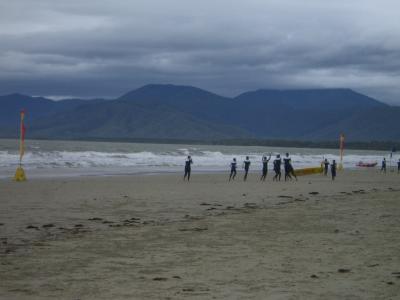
(308, 171)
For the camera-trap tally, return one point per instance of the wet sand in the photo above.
(157, 237)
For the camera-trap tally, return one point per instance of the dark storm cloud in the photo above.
(105, 48)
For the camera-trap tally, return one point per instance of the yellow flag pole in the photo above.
(20, 173)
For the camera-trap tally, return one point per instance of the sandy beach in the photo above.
(157, 237)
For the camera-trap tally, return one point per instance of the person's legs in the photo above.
(232, 175)
(186, 173)
(264, 175)
(189, 171)
(292, 172)
(287, 175)
(245, 174)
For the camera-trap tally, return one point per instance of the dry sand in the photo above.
(156, 237)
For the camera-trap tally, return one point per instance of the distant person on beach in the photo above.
(188, 168)
(326, 167)
(398, 166)
(383, 168)
(277, 168)
(287, 161)
(246, 165)
(233, 169)
(333, 169)
(265, 162)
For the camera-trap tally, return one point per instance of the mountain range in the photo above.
(188, 113)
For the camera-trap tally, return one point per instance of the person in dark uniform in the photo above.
(333, 169)
(188, 168)
(277, 168)
(326, 167)
(398, 166)
(289, 171)
(233, 169)
(265, 162)
(246, 165)
(383, 168)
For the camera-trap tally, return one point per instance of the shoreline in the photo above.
(67, 173)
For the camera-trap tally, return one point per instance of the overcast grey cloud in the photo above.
(106, 48)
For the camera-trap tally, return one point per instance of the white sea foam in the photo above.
(205, 159)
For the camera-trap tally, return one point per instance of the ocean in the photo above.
(75, 158)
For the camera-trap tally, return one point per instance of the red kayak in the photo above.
(368, 165)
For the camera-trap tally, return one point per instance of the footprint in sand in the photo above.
(342, 270)
(160, 279)
(48, 225)
(194, 229)
(32, 227)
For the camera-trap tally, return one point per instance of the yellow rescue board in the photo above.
(308, 171)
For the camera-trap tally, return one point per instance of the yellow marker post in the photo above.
(20, 173)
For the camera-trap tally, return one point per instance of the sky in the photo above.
(99, 48)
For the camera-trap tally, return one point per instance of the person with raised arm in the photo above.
(265, 162)
(277, 168)
(326, 166)
(289, 171)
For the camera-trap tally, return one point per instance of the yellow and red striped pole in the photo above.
(20, 173)
(22, 138)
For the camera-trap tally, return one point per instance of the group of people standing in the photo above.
(277, 163)
(289, 171)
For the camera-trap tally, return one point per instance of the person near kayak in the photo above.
(326, 167)
(246, 165)
(265, 162)
(188, 168)
(383, 167)
(277, 168)
(289, 171)
(233, 170)
(333, 169)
